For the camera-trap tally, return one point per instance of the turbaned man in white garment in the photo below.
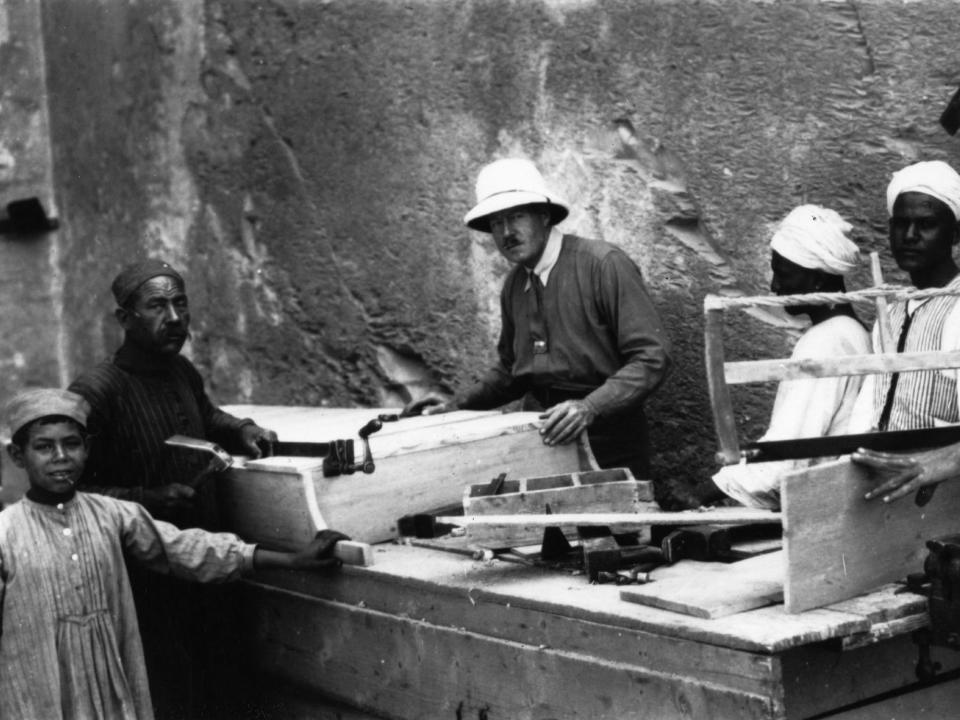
(810, 253)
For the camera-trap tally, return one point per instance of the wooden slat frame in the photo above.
(721, 374)
(753, 371)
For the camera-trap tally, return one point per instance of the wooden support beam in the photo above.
(887, 344)
(755, 371)
(720, 402)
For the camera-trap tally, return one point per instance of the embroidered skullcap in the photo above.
(135, 275)
(35, 403)
(931, 177)
(815, 237)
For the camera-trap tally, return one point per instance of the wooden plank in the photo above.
(754, 371)
(886, 630)
(300, 423)
(839, 545)
(283, 502)
(884, 605)
(720, 402)
(493, 530)
(716, 591)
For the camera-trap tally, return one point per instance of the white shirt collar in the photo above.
(551, 252)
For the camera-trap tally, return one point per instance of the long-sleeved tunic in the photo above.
(138, 401)
(70, 645)
(810, 407)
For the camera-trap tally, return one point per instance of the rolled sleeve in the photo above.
(641, 339)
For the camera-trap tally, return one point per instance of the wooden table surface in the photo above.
(770, 629)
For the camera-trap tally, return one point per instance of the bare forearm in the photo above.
(266, 559)
(940, 464)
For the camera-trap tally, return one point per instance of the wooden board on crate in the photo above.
(839, 545)
(592, 491)
(490, 530)
(712, 589)
(420, 463)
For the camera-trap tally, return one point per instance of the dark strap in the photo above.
(895, 378)
(538, 324)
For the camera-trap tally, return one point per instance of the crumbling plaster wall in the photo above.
(29, 289)
(308, 164)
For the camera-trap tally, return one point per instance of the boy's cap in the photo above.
(33, 404)
(135, 275)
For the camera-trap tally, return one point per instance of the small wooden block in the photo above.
(353, 553)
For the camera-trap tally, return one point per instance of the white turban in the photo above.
(814, 237)
(933, 177)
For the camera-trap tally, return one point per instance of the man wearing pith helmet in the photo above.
(580, 337)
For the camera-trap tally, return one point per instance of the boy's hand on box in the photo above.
(318, 555)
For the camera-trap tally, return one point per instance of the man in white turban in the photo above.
(924, 205)
(810, 253)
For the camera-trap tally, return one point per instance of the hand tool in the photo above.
(623, 577)
(220, 459)
(702, 543)
(604, 554)
(832, 446)
(940, 583)
(338, 455)
(425, 525)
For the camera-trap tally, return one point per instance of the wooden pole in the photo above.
(731, 515)
(720, 402)
(883, 317)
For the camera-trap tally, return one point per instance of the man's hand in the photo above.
(251, 434)
(564, 422)
(432, 404)
(169, 499)
(898, 475)
(318, 555)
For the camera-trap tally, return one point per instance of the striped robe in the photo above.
(70, 646)
(138, 401)
(922, 399)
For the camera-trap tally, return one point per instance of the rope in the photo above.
(898, 293)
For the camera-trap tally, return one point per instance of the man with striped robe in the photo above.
(923, 201)
(147, 392)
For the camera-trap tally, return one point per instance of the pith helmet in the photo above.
(508, 183)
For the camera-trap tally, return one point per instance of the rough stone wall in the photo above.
(308, 165)
(29, 290)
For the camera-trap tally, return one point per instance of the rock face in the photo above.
(308, 164)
